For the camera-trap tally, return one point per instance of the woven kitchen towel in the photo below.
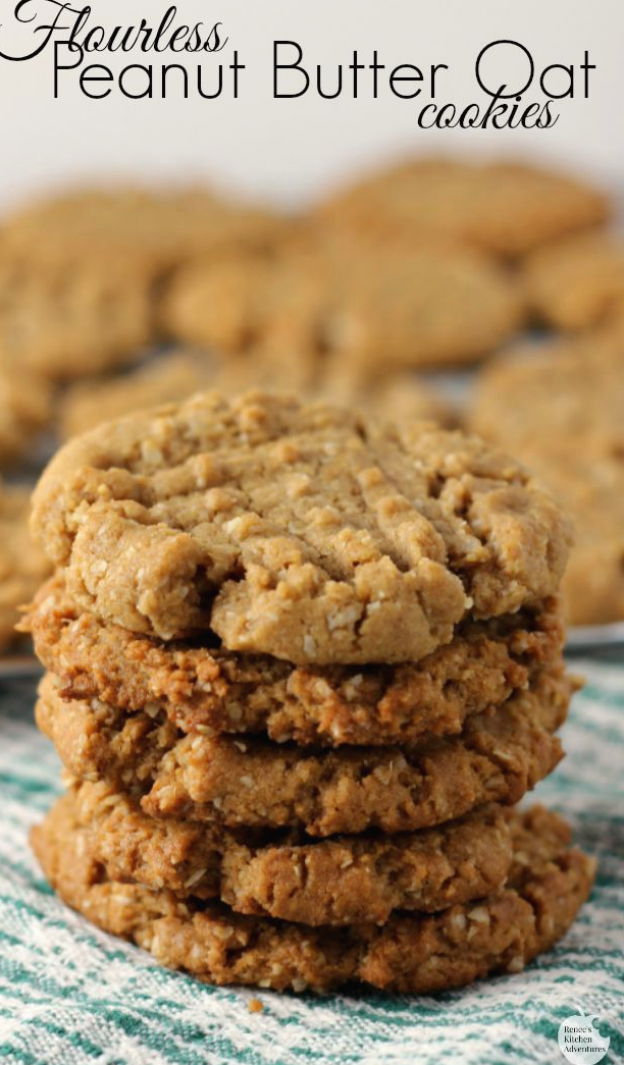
(71, 995)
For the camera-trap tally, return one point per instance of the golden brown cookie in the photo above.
(245, 301)
(80, 274)
(559, 407)
(501, 933)
(396, 397)
(577, 283)
(590, 484)
(166, 379)
(173, 377)
(299, 531)
(560, 391)
(256, 784)
(62, 321)
(25, 409)
(198, 688)
(23, 566)
(419, 307)
(348, 301)
(337, 882)
(148, 231)
(507, 209)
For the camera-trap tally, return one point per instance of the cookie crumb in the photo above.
(255, 1006)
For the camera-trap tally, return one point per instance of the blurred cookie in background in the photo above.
(60, 322)
(80, 274)
(400, 397)
(505, 209)
(558, 407)
(577, 283)
(562, 389)
(231, 304)
(23, 566)
(165, 379)
(25, 410)
(426, 307)
(590, 485)
(171, 377)
(151, 230)
(349, 300)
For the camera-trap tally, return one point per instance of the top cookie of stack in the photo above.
(295, 531)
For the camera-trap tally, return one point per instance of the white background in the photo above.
(291, 150)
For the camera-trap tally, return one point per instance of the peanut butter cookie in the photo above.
(340, 881)
(166, 379)
(23, 566)
(298, 531)
(64, 322)
(349, 301)
(501, 933)
(150, 231)
(25, 409)
(559, 408)
(557, 391)
(577, 283)
(252, 783)
(506, 208)
(198, 688)
(590, 484)
(173, 377)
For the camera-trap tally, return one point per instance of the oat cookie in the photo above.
(151, 231)
(302, 532)
(197, 688)
(60, 323)
(173, 377)
(506, 209)
(247, 301)
(25, 409)
(419, 307)
(577, 283)
(590, 485)
(560, 409)
(557, 391)
(397, 397)
(167, 379)
(548, 884)
(252, 783)
(339, 881)
(80, 275)
(23, 566)
(348, 301)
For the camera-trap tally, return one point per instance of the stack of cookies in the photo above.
(300, 669)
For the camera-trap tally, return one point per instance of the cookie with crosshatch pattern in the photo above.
(304, 532)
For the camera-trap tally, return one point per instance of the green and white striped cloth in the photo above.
(70, 994)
